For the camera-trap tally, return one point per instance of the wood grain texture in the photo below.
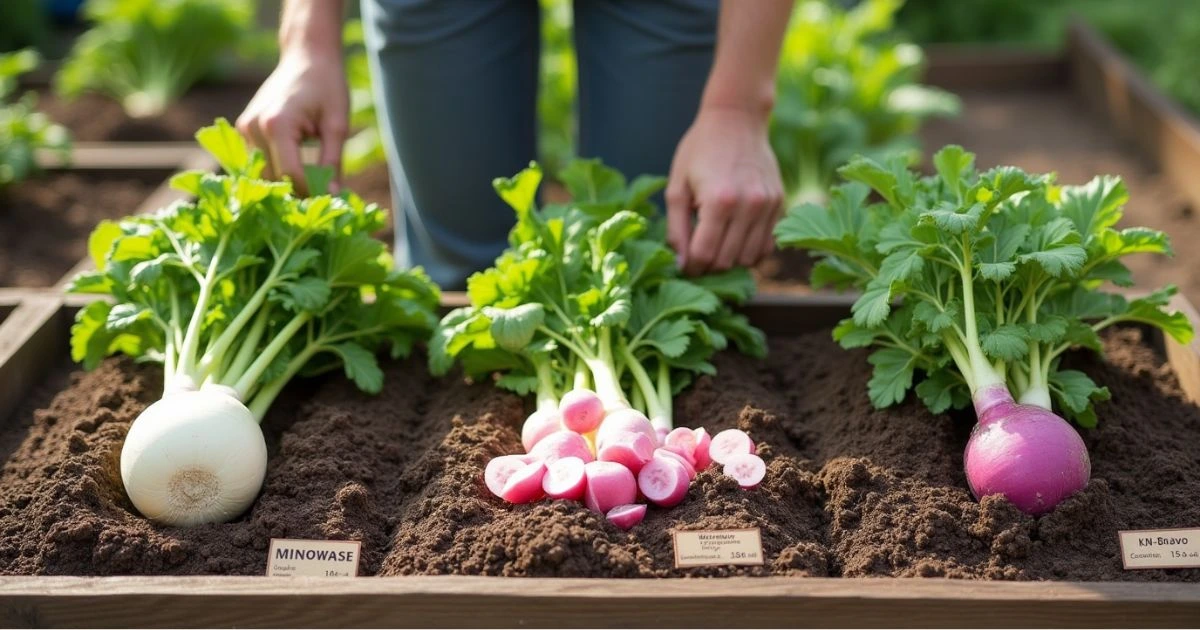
(32, 338)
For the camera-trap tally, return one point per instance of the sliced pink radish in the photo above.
(730, 442)
(631, 450)
(609, 484)
(669, 454)
(562, 444)
(565, 479)
(625, 420)
(682, 440)
(747, 469)
(538, 425)
(499, 469)
(664, 481)
(525, 485)
(701, 452)
(627, 516)
(582, 410)
(680, 451)
(662, 434)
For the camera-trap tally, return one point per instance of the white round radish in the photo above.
(664, 482)
(581, 410)
(499, 469)
(565, 479)
(631, 450)
(562, 444)
(194, 457)
(728, 443)
(669, 454)
(701, 453)
(538, 425)
(627, 516)
(747, 469)
(625, 420)
(608, 485)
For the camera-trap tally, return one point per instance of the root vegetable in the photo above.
(627, 516)
(664, 482)
(703, 447)
(681, 440)
(524, 485)
(728, 443)
(746, 468)
(562, 444)
(622, 421)
(608, 485)
(565, 479)
(631, 450)
(582, 410)
(683, 461)
(499, 469)
(538, 425)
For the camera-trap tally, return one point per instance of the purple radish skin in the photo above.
(1024, 452)
(627, 516)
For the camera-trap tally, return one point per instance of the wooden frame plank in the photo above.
(958, 67)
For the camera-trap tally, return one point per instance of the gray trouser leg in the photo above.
(457, 84)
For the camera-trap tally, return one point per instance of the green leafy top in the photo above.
(998, 273)
(846, 87)
(247, 285)
(147, 53)
(588, 291)
(23, 129)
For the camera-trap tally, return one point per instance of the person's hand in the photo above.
(304, 97)
(725, 173)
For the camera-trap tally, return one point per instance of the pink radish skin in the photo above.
(661, 433)
(525, 485)
(581, 410)
(664, 482)
(631, 450)
(672, 455)
(728, 443)
(680, 451)
(682, 440)
(625, 420)
(608, 485)
(562, 444)
(626, 516)
(565, 479)
(500, 469)
(1024, 452)
(700, 453)
(747, 469)
(537, 426)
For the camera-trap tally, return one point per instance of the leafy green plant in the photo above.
(557, 86)
(25, 24)
(846, 88)
(147, 53)
(23, 129)
(994, 21)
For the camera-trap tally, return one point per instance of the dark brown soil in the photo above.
(849, 491)
(1043, 131)
(96, 118)
(45, 222)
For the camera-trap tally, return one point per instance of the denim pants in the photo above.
(456, 83)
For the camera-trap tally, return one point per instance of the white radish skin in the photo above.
(537, 426)
(701, 453)
(194, 457)
(625, 420)
(728, 443)
(667, 453)
(627, 516)
(565, 479)
(747, 469)
(631, 450)
(582, 410)
(664, 482)
(562, 444)
(608, 485)
(525, 485)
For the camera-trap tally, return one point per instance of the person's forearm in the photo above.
(749, 35)
(314, 26)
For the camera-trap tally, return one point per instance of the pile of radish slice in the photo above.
(611, 464)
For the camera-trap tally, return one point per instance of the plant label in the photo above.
(313, 558)
(1160, 548)
(700, 548)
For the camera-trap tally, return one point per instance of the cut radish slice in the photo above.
(562, 444)
(581, 410)
(664, 482)
(730, 442)
(537, 426)
(683, 441)
(672, 455)
(627, 516)
(525, 485)
(500, 469)
(625, 420)
(565, 479)
(681, 452)
(700, 454)
(608, 485)
(631, 450)
(747, 469)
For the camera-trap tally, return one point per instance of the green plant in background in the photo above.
(25, 23)
(557, 87)
(23, 130)
(147, 53)
(846, 87)
(996, 21)
(364, 148)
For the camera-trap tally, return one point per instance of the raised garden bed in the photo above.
(1082, 113)
(45, 221)
(852, 495)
